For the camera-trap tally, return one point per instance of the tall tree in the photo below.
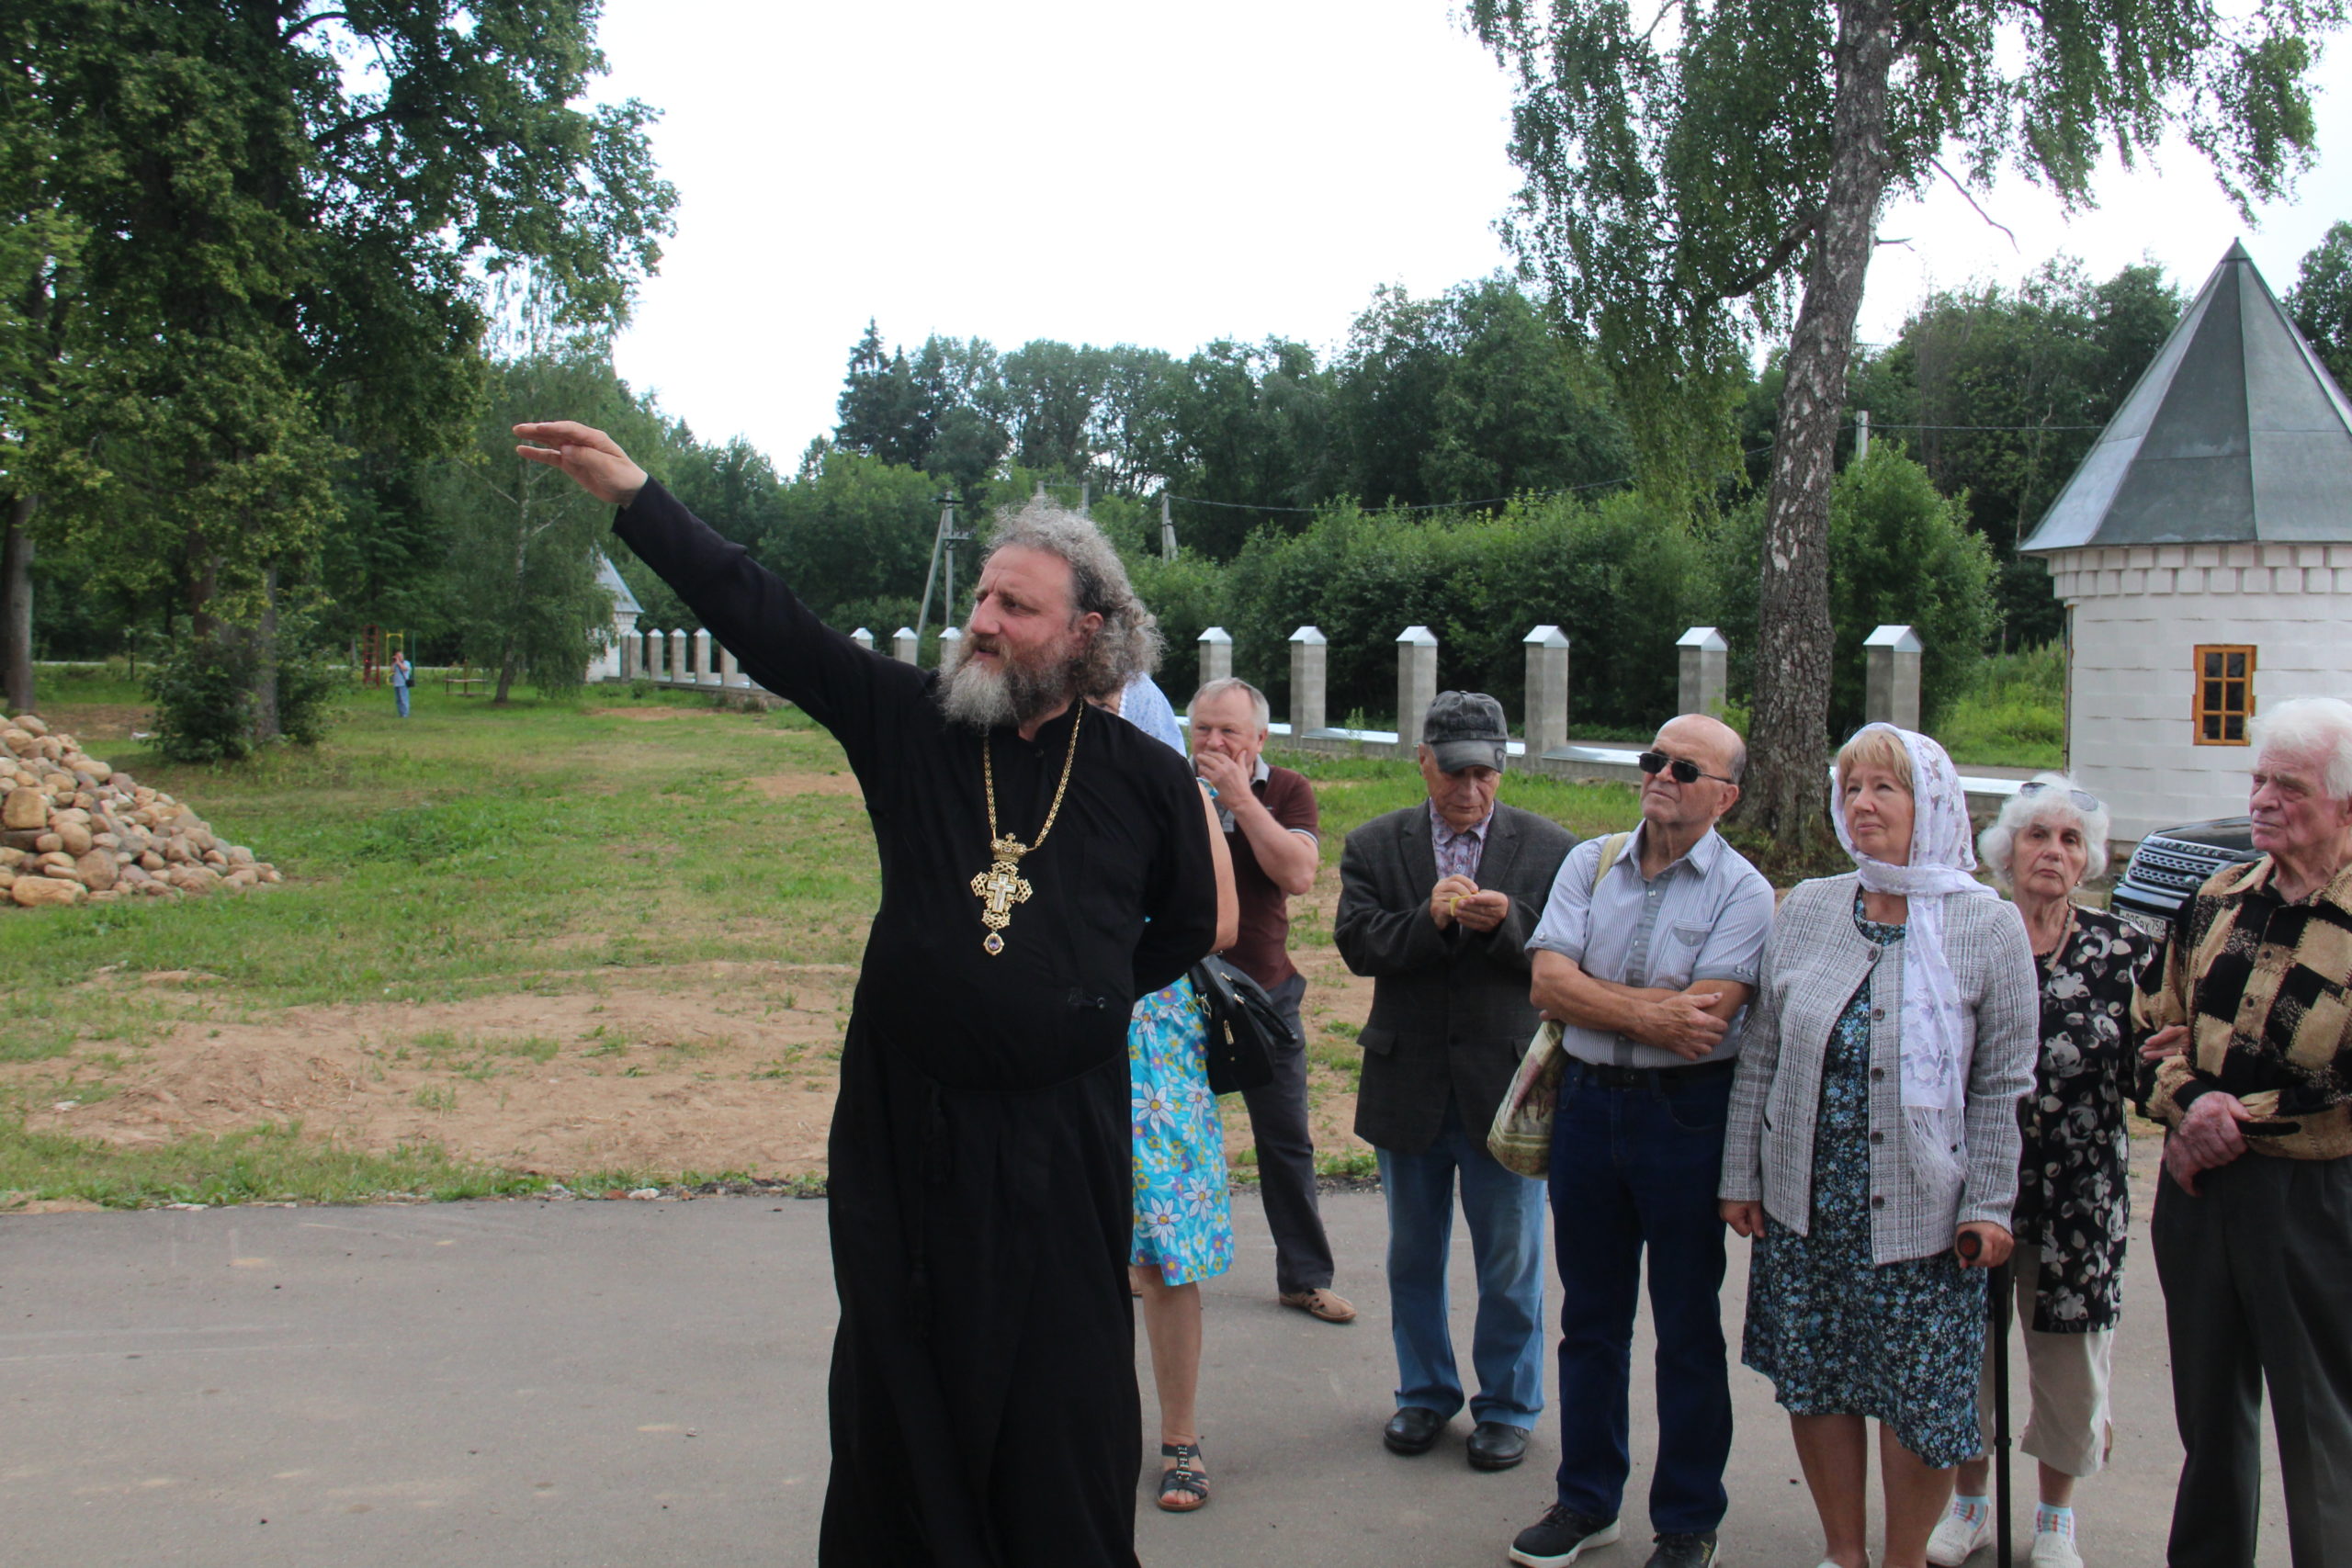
(288, 208)
(522, 575)
(1712, 172)
(2321, 301)
(2001, 390)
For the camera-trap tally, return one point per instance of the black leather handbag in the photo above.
(1245, 1027)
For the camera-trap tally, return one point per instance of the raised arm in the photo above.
(779, 641)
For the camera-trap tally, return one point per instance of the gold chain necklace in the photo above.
(1001, 886)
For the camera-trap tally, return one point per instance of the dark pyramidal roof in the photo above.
(2235, 434)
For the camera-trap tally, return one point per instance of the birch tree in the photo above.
(1700, 175)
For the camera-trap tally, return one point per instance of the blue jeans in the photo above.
(399, 699)
(1636, 1168)
(1506, 1215)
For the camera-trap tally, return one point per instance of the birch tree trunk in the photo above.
(1787, 789)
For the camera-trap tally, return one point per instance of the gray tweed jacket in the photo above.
(1815, 960)
(1450, 1010)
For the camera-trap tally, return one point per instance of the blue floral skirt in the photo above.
(1840, 1335)
(1183, 1218)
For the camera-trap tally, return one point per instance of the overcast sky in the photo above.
(1168, 175)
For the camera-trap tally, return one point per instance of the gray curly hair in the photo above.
(1129, 643)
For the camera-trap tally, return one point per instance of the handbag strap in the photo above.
(1610, 848)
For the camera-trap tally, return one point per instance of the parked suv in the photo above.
(2170, 866)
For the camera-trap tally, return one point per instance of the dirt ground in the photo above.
(713, 1068)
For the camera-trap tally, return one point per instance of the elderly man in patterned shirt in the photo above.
(2253, 1226)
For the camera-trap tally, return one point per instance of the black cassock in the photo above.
(984, 1406)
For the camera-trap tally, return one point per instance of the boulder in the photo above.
(77, 838)
(49, 843)
(39, 892)
(31, 724)
(24, 808)
(98, 870)
(151, 860)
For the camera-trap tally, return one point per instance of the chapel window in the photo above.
(2224, 693)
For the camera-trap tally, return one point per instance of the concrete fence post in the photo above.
(1310, 670)
(1547, 690)
(680, 651)
(905, 645)
(1891, 691)
(1705, 671)
(951, 641)
(632, 654)
(655, 643)
(1217, 655)
(729, 673)
(1416, 684)
(863, 638)
(704, 674)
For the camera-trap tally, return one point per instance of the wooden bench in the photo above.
(464, 684)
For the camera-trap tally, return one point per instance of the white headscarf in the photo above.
(1934, 1064)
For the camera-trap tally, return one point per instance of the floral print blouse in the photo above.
(2074, 1202)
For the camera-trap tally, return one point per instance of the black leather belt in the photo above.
(1608, 1076)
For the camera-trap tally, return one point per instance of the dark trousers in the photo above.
(1286, 1159)
(1635, 1170)
(2256, 1271)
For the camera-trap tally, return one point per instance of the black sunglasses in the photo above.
(2084, 800)
(1681, 769)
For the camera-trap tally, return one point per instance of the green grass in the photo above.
(267, 1164)
(477, 850)
(2016, 717)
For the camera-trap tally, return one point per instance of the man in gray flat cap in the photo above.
(1436, 904)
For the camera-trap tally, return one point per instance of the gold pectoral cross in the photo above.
(998, 889)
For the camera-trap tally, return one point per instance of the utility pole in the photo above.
(942, 550)
(1861, 434)
(1167, 530)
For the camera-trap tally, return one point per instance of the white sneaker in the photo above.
(1957, 1537)
(2054, 1548)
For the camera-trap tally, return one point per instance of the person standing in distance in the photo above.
(403, 681)
(1436, 905)
(1647, 955)
(1269, 818)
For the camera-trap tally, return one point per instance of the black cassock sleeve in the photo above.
(780, 644)
(1180, 897)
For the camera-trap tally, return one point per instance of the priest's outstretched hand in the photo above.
(588, 456)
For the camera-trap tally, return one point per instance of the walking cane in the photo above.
(1997, 1282)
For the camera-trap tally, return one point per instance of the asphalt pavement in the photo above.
(629, 1384)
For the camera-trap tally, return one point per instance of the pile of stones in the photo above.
(72, 827)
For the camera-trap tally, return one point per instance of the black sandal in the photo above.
(1182, 1477)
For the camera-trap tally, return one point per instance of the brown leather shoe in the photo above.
(1323, 1302)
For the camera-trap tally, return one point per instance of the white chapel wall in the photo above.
(2139, 611)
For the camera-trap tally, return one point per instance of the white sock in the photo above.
(2051, 1519)
(1973, 1509)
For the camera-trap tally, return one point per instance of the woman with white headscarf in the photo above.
(1873, 1125)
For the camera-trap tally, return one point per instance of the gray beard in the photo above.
(982, 700)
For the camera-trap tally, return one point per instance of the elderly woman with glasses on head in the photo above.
(2072, 1202)
(1873, 1136)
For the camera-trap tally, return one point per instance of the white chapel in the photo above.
(2203, 551)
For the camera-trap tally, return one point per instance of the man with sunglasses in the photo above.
(1646, 954)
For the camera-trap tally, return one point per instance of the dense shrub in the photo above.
(1619, 576)
(206, 710)
(204, 700)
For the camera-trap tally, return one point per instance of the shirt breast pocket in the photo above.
(1675, 955)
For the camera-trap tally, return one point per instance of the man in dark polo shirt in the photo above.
(1270, 820)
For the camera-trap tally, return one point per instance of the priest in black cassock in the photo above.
(1043, 866)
